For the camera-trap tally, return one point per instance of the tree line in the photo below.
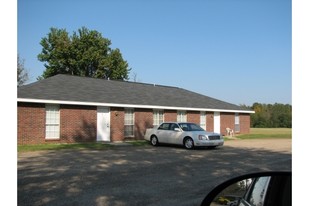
(270, 115)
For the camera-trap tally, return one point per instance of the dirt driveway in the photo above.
(130, 175)
(281, 145)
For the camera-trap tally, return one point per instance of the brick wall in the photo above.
(244, 123)
(78, 123)
(227, 120)
(143, 120)
(210, 121)
(194, 117)
(117, 124)
(170, 116)
(30, 123)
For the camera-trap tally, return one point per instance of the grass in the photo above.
(267, 133)
(138, 142)
(40, 147)
(61, 146)
(255, 133)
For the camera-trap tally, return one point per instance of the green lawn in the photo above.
(39, 147)
(256, 133)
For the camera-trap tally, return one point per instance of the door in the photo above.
(217, 122)
(176, 136)
(103, 124)
(163, 132)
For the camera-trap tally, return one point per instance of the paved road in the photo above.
(130, 175)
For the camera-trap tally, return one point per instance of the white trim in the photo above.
(45, 101)
(54, 110)
(203, 121)
(217, 122)
(156, 116)
(181, 116)
(126, 112)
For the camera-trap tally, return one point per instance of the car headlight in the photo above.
(202, 137)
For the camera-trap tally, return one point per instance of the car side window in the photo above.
(184, 127)
(164, 126)
(173, 126)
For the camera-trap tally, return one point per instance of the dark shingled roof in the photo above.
(84, 89)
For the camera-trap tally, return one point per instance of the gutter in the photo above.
(100, 104)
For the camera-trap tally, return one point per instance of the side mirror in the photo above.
(262, 188)
(177, 129)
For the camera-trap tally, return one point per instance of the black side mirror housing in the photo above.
(213, 195)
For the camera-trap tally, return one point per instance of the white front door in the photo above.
(217, 122)
(103, 124)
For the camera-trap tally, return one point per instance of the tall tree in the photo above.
(85, 53)
(56, 53)
(271, 115)
(114, 67)
(22, 74)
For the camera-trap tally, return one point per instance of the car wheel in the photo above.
(154, 141)
(188, 143)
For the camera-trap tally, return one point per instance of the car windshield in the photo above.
(190, 127)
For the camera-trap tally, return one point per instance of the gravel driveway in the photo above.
(131, 175)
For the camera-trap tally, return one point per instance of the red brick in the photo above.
(31, 123)
(79, 123)
(117, 124)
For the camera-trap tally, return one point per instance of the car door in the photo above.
(163, 133)
(175, 134)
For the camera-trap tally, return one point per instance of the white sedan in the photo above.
(183, 133)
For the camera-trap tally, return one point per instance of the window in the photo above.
(128, 122)
(181, 116)
(203, 120)
(158, 117)
(174, 126)
(164, 126)
(52, 125)
(237, 126)
(190, 127)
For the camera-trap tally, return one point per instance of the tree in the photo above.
(22, 74)
(56, 53)
(272, 116)
(85, 53)
(281, 115)
(114, 67)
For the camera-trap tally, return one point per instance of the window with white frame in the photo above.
(158, 117)
(129, 122)
(203, 120)
(237, 125)
(181, 116)
(52, 123)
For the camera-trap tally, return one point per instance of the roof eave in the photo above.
(47, 101)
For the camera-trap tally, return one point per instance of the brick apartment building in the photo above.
(69, 109)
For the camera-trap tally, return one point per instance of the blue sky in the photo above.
(237, 51)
